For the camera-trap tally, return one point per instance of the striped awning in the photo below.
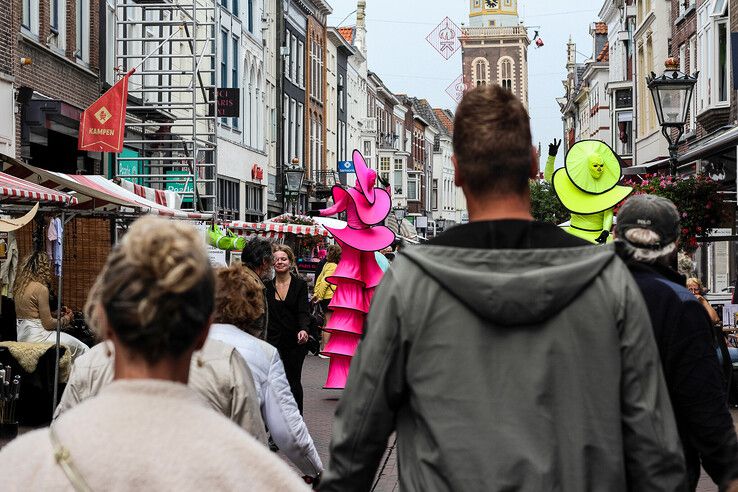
(17, 188)
(95, 191)
(275, 229)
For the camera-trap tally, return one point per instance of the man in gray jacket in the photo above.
(507, 355)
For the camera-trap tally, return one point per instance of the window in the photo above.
(506, 73)
(384, 168)
(82, 31)
(692, 117)
(481, 67)
(234, 73)
(294, 137)
(224, 64)
(434, 195)
(341, 92)
(300, 115)
(250, 13)
(367, 148)
(229, 199)
(300, 64)
(54, 8)
(412, 187)
(722, 71)
(713, 85)
(58, 23)
(254, 203)
(293, 58)
(286, 128)
(234, 8)
(29, 16)
(399, 176)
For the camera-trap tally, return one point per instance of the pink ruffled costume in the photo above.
(357, 273)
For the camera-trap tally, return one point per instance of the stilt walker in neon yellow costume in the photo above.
(588, 187)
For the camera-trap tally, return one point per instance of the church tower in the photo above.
(495, 47)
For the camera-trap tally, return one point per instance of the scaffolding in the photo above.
(170, 139)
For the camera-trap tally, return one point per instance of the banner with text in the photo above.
(102, 125)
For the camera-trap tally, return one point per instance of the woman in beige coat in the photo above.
(147, 430)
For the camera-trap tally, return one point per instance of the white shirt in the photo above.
(278, 407)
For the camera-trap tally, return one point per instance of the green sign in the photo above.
(132, 167)
(180, 186)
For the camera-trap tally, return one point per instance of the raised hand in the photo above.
(553, 147)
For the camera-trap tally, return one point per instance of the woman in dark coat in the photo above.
(287, 296)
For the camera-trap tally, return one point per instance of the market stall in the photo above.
(303, 234)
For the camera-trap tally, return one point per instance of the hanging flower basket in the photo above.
(700, 206)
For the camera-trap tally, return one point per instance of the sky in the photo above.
(399, 53)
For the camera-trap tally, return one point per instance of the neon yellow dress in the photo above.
(588, 187)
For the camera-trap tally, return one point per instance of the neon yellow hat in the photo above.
(593, 166)
(588, 184)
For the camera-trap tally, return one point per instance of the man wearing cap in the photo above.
(647, 230)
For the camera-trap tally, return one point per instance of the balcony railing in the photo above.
(487, 32)
(388, 141)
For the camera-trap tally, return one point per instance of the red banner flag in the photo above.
(102, 125)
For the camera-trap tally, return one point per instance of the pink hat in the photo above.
(365, 176)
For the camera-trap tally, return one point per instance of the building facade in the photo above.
(495, 47)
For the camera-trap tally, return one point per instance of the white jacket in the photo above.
(278, 407)
(218, 374)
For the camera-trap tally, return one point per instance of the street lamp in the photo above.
(672, 93)
(399, 215)
(293, 176)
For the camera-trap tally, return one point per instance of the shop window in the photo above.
(229, 199)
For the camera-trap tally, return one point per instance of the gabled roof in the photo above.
(445, 117)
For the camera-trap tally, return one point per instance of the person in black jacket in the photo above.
(287, 296)
(647, 230)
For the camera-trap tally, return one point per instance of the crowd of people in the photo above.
(506, 354)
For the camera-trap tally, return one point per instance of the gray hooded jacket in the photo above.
(522, 370)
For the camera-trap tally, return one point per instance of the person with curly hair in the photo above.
(147, 430)
(238, 305)
(35, 320)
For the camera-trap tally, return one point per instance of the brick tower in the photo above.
(495, 47)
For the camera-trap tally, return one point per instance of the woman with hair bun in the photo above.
(147, 430)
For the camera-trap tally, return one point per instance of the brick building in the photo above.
(49, 73)
(495, 47)
(61, 80)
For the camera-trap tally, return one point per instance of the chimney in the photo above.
(360, 40)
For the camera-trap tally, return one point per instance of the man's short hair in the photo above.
(492, 141)
(256, 252)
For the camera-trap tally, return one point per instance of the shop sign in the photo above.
(257, 173)
(346, 167)
(180, 186)
(229, 102)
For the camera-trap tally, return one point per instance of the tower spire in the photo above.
(360, 41)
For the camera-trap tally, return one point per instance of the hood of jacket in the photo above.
(513, 287)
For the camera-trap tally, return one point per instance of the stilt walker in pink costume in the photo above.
(357, 273)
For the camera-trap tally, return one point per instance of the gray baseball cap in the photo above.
(651, 212)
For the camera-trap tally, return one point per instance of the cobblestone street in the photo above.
(320, 405)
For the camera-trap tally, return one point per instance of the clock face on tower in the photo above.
(492, 4)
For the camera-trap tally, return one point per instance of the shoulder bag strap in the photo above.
(63, 458)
